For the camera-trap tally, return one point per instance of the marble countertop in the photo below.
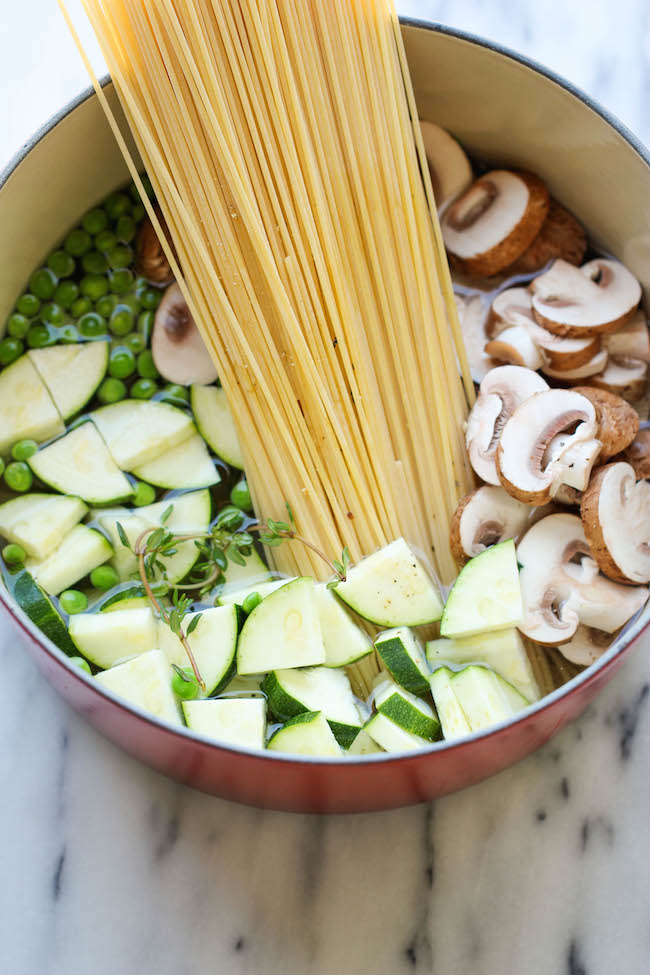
(106, 867)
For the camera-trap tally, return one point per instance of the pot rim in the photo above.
(590, 674)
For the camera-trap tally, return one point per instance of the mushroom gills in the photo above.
(179, 353)
(483, 518)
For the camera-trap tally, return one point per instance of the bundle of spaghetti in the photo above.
(282, 142)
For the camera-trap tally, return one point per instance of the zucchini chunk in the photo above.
(214, 419)
(213, 643)
(293, 692)
(235, 721)
(282, 631)
(406, 710)
(364, 745)
(27, 411)
(72, 373)
(81, 551)
(344, 641)
(146, 682)
(137, 431)
(40, 522)
(502, 651)
(186, 466)
(485, 697)
(263, 589)
(486, 595)
(107, 639)
(452, 717)
(403, 656)
(306, 734)
(40, 609)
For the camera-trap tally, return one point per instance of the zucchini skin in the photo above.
(40, 609)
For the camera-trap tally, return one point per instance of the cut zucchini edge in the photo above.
(39, 608)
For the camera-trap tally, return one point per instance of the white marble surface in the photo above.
(106, 867)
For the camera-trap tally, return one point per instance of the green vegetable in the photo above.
(176, 395)
(105, 306)
(145, 324)
(104, 577)
(80, 306)
(24, 449)
(68, 335)
(135, 342)
(94, 286)
(52, 314)
(144, 389)
(151, 299)
(146, 366)
(241, 496)
(91, 325)
(17, 326)
(138, 212)
(121, 280)
(14, 554)
(126, 229)
(61, 263)
(95, 221)
(40, 335)
(43, 283)
(120, 256)
(250, 602)
(10, 350)
(94, 262)
(121, 363)
(105, 240)
(117, 205)
(72, 601)
(18, 476)
(66, 294)
(121, 320)
(28, 305)
(81, 664)
(78, 242)
(39, 608)
(111, 391)
(184, 683)
(144, 494)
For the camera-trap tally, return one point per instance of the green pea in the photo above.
(43, 283)
(80, 307)
(40, 336)
(105, 306)
(241, 496)
(18, 326)
(135, 342)
(121, 363)
(24, 449)
(145, 324)
(111, 391)
(14, 554)
(104, 577)
(72, 601)
(78, 242)
(144, 389)
(68, 335)
(81, 664)
(251, 601)
(144, 494)
(94, 286)
(138, 212)
(146, 365)
(151, 299)
(61, 263)
(18, 476)
(94, 262)
(117, 205)
(91, 325)
(66, 294)
(105, 240)
(52, 314)
(174, 394)
(121, 320)
(10, 350)
(120, 257)
(184, 685)
(28, 305)
(125, 229)
(121, 280)
(95, 221)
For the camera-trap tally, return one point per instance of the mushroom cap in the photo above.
(638, 454)
(592, 367)
(586, 646)
(601, 296)
(562, 587)
(632, 341)
(503, 389)
(485, 517)
(451, 170)
(562, 235)
(151, 260)
(473, 317)
(615, 513)
(494, 221)
(618, 422)
(625, 377)
(523, 466)
(178, 350)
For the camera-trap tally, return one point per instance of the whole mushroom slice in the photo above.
(562, 235)
(150, 258)
(561, 586)
(625, 377)
(451, 170)
(601, 296)
(523, 465)
(577, 460)
(493, 222)
(593, 367)
(586, 646)
(632, 341)
(503, 389)
(615, 513)
(178, 350)
(638, 454)
(472, 316)
(483, 518)
(618, 422)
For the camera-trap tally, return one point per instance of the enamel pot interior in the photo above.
(503, 110)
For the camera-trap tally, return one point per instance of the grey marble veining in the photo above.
(108, 868)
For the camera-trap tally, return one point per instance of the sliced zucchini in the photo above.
(27, 411)
(72, 373)
(344, 641)
(406, 710)
(124, 561)
(216, 425)
(238, 721)
(263, 589)
(39, 522)
(392, 588)
(403, 656)
(486, 698)
(364, 745)
(390, 737)
(137, 431)
(452, 717)
(282, 631)
(213, 644)
(109, 638)
(80, 464)
(40, 609)
(501, 650)
(81, 551)
(239, 577)
(146, 682)
(245, 686)
(306, 734)
(486, 595)
(292, 692)
(186, 466)
(133, 597)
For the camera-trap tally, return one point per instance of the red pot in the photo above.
(501, 107)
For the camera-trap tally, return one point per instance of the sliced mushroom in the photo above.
(618, 422)
(638, 454)
(577, 460)
(473, 316)
(451, 170)
(632, 341)
(495, 221)
(586, 646)
(561, 236)
(515, 346)
(625, 377)
(501, 392)
(615, 513)
(593, 367)
(601, 296)
(151, 260)
(484, 517)
(561, 586)
(178, 350)
(568, 496)
(527, 434)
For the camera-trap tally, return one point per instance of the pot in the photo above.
(503, 108)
